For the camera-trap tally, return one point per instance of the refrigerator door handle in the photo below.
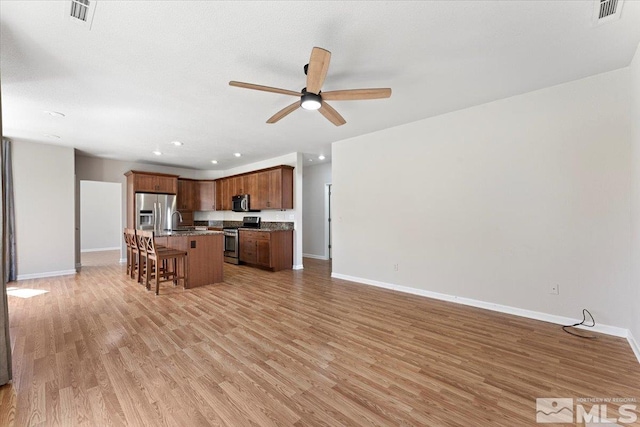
(160, 225)
(155, 215)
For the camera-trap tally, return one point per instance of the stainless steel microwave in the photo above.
(240, 203)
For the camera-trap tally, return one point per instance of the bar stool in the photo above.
(161, 265)
(132, 251)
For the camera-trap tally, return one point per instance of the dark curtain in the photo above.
(6, 214)
(9, 219)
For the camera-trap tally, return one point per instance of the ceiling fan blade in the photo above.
(332, 115)
(355, 94)
(317, 71)
(264, 88)
(284, 112)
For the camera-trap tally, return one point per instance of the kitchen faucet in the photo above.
(171, 222)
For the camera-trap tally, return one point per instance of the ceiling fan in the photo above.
(311, 97)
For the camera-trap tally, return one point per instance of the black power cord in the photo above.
(584, 319)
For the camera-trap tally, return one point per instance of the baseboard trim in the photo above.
(100, 249)
(545, 317)
(322, 257)
(298, 267)
(46, 274)
(635, 346)
(123, 260)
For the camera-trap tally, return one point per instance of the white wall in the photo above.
(315, 179)
(497, 202)
(44, 191)
(634, 297)
(100, 220)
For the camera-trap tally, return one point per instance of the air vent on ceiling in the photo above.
(606, 10)
(80, 11)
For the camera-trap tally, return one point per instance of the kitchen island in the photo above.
(204, 253)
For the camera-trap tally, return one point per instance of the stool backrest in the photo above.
(130, 238)
(147, 241)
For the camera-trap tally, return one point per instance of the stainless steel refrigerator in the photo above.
(155, 211)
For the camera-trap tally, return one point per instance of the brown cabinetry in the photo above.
(186, 198)
(267, 249)
(149, 182)
(187, 219)
(270, 188)
(206, 200)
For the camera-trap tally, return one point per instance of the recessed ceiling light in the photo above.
(55, 113)
(311, 160)
(48, 135)
(177, 143)
(215, 162)
(237, 154)
(321, 157)
(157, 153)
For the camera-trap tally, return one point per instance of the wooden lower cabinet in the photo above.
(267, 249)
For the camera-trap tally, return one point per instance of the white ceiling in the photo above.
(148, 73)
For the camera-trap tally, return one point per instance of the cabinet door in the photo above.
(259, 185)
(187, 219)
(143, 183)
(206, 195)
(166, 185)
(240, 185)
(186, 195)
(218, 189)
(263, 252)
(275, 189)
(227, 193)
(247, 248)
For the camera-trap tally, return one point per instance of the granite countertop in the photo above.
(186, 233)
(267, 230)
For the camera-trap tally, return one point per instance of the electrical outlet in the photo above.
(554, 289)
(395, 267)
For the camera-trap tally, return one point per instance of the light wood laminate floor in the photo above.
(287, 348)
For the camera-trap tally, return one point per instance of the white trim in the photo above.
(545, 317)
(298, 267)
(78, 265)
(101, 249)
(635, 346)
(46, 274)
(123, 260)
(323, 257)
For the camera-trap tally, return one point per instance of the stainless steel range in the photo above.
(232, 242)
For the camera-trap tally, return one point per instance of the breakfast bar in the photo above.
(204, 253)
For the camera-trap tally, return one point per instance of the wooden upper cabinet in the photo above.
(219, 194)
(270, 188)
(206, 196)
(186, 199)
(149, 182)
(280, 183)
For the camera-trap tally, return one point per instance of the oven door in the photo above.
(231, 244)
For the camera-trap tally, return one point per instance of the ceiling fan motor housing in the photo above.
(310, 101)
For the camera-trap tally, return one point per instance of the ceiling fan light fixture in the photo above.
(310, 101)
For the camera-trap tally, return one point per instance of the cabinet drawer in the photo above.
(254, 235)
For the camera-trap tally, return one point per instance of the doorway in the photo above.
(328, 228)
(100, 223)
